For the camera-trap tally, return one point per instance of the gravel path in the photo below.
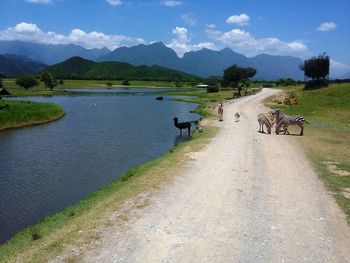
(246, 197)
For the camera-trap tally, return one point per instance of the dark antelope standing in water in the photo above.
(182, 125)
(283, 121)
(263, 120)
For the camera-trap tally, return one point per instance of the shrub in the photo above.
(211, 89)
(126, 82)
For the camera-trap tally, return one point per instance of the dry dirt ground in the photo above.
(245, 197)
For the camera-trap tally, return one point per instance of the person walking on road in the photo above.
(221, 112)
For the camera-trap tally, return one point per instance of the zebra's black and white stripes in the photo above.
(283, 121)
(263, 120)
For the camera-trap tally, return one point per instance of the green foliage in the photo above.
(126, 82)
(109, 84)
(286, 82)
(316, 68)
(237, 77)
(79, 68)
(48, 80)
(1, 85)
(27, 81)
(22, 113)
(178, 84)
(213, 83)
(128, 174)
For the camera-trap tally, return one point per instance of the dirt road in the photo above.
(246, 197)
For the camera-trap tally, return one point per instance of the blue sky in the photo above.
(279, 27)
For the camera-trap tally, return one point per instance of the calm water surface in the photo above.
(46, 168)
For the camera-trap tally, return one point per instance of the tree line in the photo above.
(29, 81)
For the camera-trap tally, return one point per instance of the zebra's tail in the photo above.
(307, 122)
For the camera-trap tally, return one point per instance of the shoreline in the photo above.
(33, 123)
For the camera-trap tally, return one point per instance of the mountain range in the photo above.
(14, 65)
(346, 76)
(202, 63)
(206, 62)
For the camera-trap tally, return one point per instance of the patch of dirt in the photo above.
(346, 192)
(334, 169)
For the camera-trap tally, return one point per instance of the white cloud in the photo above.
(114, 2)
(181, 43)
(189, 19)
(26, 28)
(240, 20)
(32, 33)
(338, 69)
(40, 1)
(171, 2)
(243, 42)
(211, 26)
(327, 26)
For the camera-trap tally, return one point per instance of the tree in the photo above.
(109, 84)
(213, 84)
(61, 82)
(286, 82)
(48, 80)
(178, 84)
(316, 68)
(1, 85)
(27, 81)
(126, 83)
(238, 77)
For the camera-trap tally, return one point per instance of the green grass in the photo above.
(9, 83)
(327, 139)
(24, 113)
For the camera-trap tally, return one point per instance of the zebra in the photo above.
(262, 119)
(283, 120)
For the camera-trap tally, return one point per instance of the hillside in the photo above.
(79, 68)
(13, 65)
(275, 67)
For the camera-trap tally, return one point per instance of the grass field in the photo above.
(10, 84)
(327, 139)
(24, 113)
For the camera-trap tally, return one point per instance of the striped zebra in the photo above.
(283, 121)
(263, 120)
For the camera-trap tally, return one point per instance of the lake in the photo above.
(48, 167)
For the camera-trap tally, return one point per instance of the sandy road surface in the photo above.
(246, 197)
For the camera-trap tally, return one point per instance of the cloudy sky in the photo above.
(301, 28)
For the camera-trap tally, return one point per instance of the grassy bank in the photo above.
(327, 139)
(79, 224)
(24, 113)
(10, 83)
(207, 100)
